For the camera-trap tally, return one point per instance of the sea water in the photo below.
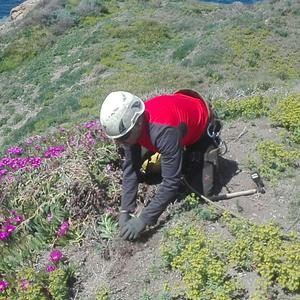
(7, 5)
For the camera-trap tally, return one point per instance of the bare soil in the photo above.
(135, 271)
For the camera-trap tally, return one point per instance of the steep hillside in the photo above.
(57, 65)
(60, 177)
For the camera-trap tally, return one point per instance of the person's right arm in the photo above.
(131, 173)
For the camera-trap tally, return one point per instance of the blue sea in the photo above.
(7, 5)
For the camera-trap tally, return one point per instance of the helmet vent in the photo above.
(136, 104)
(121, 126)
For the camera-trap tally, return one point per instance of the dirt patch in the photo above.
(134, 270)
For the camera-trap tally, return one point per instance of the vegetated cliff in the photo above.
(60, 60)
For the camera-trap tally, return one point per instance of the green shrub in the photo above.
(249, 46)
(89, 21)
(3, 121)
(148, 33)
(286, 113)
(31, 284)
(190, 8)
(248, 108)
(208, 56)
(29, 42)
(17, 118)
(103, 292)
(187, 249)
(87, 102)
(182, 51)
(276, 159)
(266, 249)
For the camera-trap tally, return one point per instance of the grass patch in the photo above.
(148, 34)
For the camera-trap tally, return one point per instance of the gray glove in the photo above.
(132, 229)
(124, 217)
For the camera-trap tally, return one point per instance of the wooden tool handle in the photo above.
(233, 195)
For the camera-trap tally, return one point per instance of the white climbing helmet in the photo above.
(119, 113)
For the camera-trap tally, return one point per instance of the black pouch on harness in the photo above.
(201, 160)
(201, 163)
(210, 170)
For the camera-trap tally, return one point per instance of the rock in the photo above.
(22, 10)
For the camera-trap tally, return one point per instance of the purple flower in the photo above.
(3, 285)
(10, 178)
(10, 228)
(19, 219)
(55, 256)
(5, 161)
(3, 172)
(64, 227)
(50, 217)
(4, 235)
(15, 150)
(53, 151)
(50, 268)
(92, 125)
(35, 162)
(25, 284)
(108, 167)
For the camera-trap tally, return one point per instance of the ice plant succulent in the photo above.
(25, 284)
(63, 229)
(19, 219)
(15, 150)
(50, 217)
(50, 268)
(53, 151)
(3, 285)
(4, 235)
(55, 256)
(9, 228)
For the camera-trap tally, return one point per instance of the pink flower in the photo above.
(3, 235)
(53, 151)
(55, 256)
(35, 162)
(3, 172)
(10, 228)
(3, 285)
(50, 217)
(19, 219)
(63, 229)
(50, 268)
(10, 178)
(15, 150)
(108, 167)
(25, 284)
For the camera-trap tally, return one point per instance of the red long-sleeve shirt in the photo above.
(171, 122)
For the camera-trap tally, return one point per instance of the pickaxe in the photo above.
(260, 188)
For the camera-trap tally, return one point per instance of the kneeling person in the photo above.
(167, 124)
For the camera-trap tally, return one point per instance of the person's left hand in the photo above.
(132, 229)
